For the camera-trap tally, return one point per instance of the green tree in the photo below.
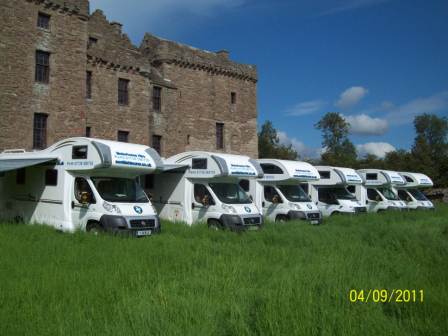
(269, 145)
(339, 150)
(430, 149)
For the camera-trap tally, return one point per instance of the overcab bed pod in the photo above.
(410, 192)
(80, 183)
(204, 187)
(378, 192)
(279, 193)
(331, 193)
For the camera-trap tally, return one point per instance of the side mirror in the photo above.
(85, 198)
(263, 204)
(150, 196)
(251, 198)
(192, 205)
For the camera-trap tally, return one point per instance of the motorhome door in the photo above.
(82, 201)
(203, 203)
(272, 200)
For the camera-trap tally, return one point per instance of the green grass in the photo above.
(288, 279)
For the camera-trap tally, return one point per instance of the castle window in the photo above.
(88, 131)
(219, 136)
(42, 67)
(123, 91)
(43, 21)
(89, 84)
(40, 131)
(157, 98)
(233, 97)
(123, 136)
(157, 143)
(92, 41)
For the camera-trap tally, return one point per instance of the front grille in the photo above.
(252, 220)
(313, 215)
(142, 223)
(360, 209)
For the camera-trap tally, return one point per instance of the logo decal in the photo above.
(138, 210)
(248, 210)
(309, 206)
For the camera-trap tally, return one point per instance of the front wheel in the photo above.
(281, 219)
(214, 224)
(94, 228)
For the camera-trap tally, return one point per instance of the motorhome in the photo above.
(279, 193)
(203, 187)
(410, 192)
(80, 183)
(330, 192)
(378, 192)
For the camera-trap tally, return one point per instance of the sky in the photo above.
(379, 63)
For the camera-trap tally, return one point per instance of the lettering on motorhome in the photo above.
(80, 163)
(202, 172)
(132, 159)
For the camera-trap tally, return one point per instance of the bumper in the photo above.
(238, 223)
(313, 217)
(394, 208)
(130, 226)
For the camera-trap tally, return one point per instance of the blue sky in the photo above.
(377, 62)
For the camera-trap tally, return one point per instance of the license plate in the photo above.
(144, 233)
(314, 222)
(253, 228)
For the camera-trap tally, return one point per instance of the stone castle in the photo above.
(65, 72)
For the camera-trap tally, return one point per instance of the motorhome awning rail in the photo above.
(13, 164)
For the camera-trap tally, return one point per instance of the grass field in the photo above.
(288, 279)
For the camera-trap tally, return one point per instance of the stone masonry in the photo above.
(198, 88)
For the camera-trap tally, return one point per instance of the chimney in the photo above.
(117, 26)
(223, 53)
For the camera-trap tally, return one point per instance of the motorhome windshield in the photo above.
(294, 193)
(341, 194)
(389, 194)
(230, 193)
(120, 190)
(418, 195)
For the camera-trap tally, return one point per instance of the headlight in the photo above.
(294, 206)
(111, 208)
(229, 208)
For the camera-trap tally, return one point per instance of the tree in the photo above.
(339, 150)
(269, 145)
(430, 150)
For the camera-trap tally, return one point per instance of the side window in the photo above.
(305, 187)
(21, 176)
(324, 175)
(149, 181)
(351, 189)
(271, 195)
(199, 164)
(79, 152)
(82, 186)
(373, 195)
(245, 185)
(51, 177)
(324, 196)
(403, 195)
(202, 196)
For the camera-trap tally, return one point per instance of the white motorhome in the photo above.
(330, 192)
(378, 192)
(80, 183)
(279, 193)
(203, 187)
(410, 192)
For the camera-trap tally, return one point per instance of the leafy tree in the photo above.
(340, 151)
(430, 150)
(269, 145)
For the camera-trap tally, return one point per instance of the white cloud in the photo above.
(305, 108)
(348, 5)
(162, 17)
(304, 151)
(405, 113)
(363, 124)
(351, 97)
(379, 149)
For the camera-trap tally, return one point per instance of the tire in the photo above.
(281, 219)
(94, 228)
(214, 224)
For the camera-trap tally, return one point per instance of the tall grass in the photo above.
(288, 279)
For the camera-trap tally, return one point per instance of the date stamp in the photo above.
(386, 295)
